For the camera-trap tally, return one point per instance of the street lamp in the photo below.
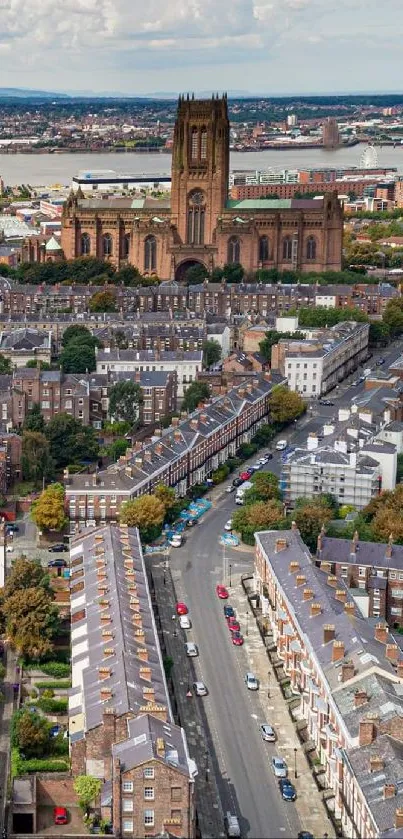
(207, 768)
(295, 762)
(268, 684)
(247, 623)
(230, 578)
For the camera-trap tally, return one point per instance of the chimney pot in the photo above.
(300, 579)
(332, 580)
(341, 595)
(347, 671)
(375, 763)
(360, 698)
(281, 545)
(329, 631)
(307, 594)
(381, 633)
(293, 566)
(389, 791)
(392, 652)
(337, 651)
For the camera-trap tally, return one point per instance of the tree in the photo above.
(265, 488)
(273, 337)
(34, 420)
(124, 402)
(211, 353)
(234, 272)
(78, 358)
(48, 511)
(258, 516)
(285, 405)
(73, 333)
(118, 448)
(103, 301)
(33, 363)
(196, 392)
(147, 513)
(36, 460)
(196, 274)
(25, 573)
(70, 441)
(31, 733)
(166, 495)
(393, 318)
(32, 621)
(388, 523)
(87, 790)
(309, 516)
(5, 365)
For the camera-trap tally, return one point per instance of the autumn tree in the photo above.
(166, 495)
(285, 405)
(309, 516)
(147, 513)
(258, 516)
(124, 402)
(48, 511)
(25, 573)
(36, 460)
(103, 301)
(32, 620)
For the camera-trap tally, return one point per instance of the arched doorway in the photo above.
(183, 268)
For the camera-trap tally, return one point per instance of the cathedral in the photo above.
(198, 224)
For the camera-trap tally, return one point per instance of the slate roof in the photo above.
(24, 339)
(373, 554)
(372, 782)
(141, 745)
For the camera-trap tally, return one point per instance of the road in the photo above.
(240, 758)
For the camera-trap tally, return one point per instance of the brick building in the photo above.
(185, 364)
(121, 724)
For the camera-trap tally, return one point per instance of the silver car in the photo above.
(268, 733)
(251, 681)
(191, 649)
(279, 767)
(200, 689)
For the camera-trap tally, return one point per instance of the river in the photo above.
(50, 169)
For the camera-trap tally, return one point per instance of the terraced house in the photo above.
(180, 457)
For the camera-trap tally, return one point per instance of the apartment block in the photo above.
(186, 364)
(121, 724)
(347, 672)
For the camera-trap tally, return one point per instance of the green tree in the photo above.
(265, 488)
(147, 513)
(196, 393)
(103, 301)
(87, 790)
(124, 402)
(78, 358)
(36, 460)
(118, 448)
(70, 441)
(48, 511)
(196, 274)
(273, 337)
(309, 516)
(32, 621)
(34, 420)
(211, 353)
(5, 365)
(166, 495)
(25, 573)
(234, 272)
(379, 334)
(32, 735)
(285, 405)
(81, 333)
(33, 363)
(393, 318)
(258, 516)
(128, 275)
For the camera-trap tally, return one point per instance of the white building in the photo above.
(186, 364)
(351, 477)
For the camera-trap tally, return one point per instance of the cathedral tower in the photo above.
(200, 168)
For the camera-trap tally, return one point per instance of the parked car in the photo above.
(229, 612)
(256, 466)
(269, 456)
(222, 592)
(231, 825)
(191, 649)
(380, 362)
(200, 689)
(58, 549)
(287, 789)
(185, 622)
(230, 488)
(234, 625)
(12, 528)
(237, 639)
(57, 563)
(181, 608)
(281, 445)
(355, 383)
(279, 767)
(305, 834)
(59, 815)
(245, 475)
(251, 681)
(228, 525)
(176, 540)
(326, 402)
(237, 482)
(268, 733)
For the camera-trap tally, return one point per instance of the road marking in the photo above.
(254, 716)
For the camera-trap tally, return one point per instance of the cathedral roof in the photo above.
(276, 204)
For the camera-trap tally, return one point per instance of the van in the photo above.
(231, 824)
(281, 445)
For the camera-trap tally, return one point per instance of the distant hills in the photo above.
(26, 93)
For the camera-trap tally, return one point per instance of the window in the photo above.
(264, 250)
(392, 575)
(287, 248)
(45, 404)
(195, 221)
(148, 818)
(311, 248)
(344, 571)
(176, 793)
(107, 244)
(128, 805)
(149, 793)
(194, 143)
(126, 246)
(361, 572)
(234, 250)
(150, 253)
(85, 244)
(128, 825)
(148, 772)
(176, 814)
(203, 144)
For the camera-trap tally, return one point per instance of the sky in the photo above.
(138, 47)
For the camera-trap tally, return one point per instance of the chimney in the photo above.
(389, 791)
(142, 654)
(337, 651)
(293, 566)
(326, 567)
(360, 698)
(104, 672)
(341, 595)
(354, 542)
(145, 673)
(381, 633)
(367, 731)
(194, 423)
(375, 763)
(399, 818)
(389, 546)
(158, 448)
(347, 671)
(294, 526)
(95, 478)
(281, 545)
(300, 579)
(149, 694)
(66, 475)
(319, 544)
(332, 580)
(316, 609)
(329, 631)
(160, 747)
(349, 608)
(399, 669)
(307, 594)
(392, 652)
(106, 694)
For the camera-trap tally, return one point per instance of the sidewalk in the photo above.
(310, 806)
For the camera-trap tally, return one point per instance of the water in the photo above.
(50, 169)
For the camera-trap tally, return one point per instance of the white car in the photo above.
(185, 622)
(256, 466)
(200, 689)
(191, 649)
(176, 541)
(268, 733)
(281, 445)
(279, 767)
(228, 525)
(251, 681)
(230, 488)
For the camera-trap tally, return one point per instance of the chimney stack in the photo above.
(349, 608)
(337, 651)
(375, 763)
(381, 633)
(360, 698)
(307, 594)
(326, 567)
(399, 669)
(399, 818)
(389, 791)
(392, 652)
(293, 566)
(281, 545)
(341, 595)
(367, 731)
(332, 580)
(329, 631)
(347, 671)
(300, 579)
(316, 609)
(389, 547)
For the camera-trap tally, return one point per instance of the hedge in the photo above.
(56, 684)
(52, 706)
(44, 764)
(57, 669)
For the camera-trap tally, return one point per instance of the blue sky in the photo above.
(256, 46)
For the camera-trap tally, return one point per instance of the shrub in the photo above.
(60, 745)
(55, 684)
(58, 669)
(46, 764)
(52, 706)
(15, 762)
(48, 693)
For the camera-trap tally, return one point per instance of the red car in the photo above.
(245, 476)
(222, 592)
(237, 639)
(60, 815)
(234, 625)
(181, 609)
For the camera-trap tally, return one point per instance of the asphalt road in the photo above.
(241, 759)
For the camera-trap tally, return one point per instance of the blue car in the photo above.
(287, 790)
(229, 612)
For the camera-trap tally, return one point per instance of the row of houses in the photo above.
(346, 670)
(181, 456)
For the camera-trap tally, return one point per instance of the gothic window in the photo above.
(264, 249)
(311, 248)
(150, 253)
(203, 144)
(126, 246)
(287, 248)
(107, 244)
(85, 244)
(195, 221)
(194, 148)
(234, 250)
